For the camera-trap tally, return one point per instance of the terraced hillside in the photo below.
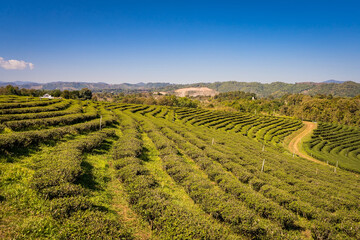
(260, 127)
(127, 171)
(336, 145)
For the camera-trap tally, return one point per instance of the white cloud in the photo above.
(15, 64)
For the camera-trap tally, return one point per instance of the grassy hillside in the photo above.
(336, 145)
(278, 89)
(80, 169)
(262, 128)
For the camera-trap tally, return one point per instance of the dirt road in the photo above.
(294, 145)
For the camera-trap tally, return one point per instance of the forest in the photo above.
(323, 108)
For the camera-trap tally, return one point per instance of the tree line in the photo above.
(148, 99)
(84, 93)
(320, 107)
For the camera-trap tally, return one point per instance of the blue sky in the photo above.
(179, 41)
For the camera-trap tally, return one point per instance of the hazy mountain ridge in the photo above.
(276, 89)
(79, 85)
(333, 81)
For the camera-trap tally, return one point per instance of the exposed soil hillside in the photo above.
(193, 92)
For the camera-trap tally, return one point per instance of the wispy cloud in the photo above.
(15, 64)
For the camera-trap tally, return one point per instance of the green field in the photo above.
(72, 169)
(336, 145)
(267, 129)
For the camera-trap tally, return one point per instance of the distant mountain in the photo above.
(278, 89)
(18, 83)
(74, 85)
(275, 89)
(79, 85)
(333, 81)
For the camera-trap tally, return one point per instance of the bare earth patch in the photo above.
(295, 143)
(194, 92)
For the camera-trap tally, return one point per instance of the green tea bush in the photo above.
(28, 104)
(90, 224)
(63, 190)
(54, 107)
(64, 207)
(72, 109)
(338, 145)
(211, 199)
(18, 125)
(12, 141)
(169, 219)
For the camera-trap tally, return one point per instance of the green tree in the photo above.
(10, 90)
(56, 93)
(65, 94)
(85, 93)
(74, 94)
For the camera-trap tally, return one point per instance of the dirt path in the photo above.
(294, 145)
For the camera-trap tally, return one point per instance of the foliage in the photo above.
(84, 93)
(72, 109)
(10, 142)
(168, 218)
(278, 89)
(263, 128)
(338, 145)
(185, 173)
(325, 108)
(54, 106)
(153, 99)
(235, 95)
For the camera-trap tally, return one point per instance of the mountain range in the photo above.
(80, 85)
(275, 89)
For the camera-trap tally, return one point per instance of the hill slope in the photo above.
(276, 89)
(79, 169)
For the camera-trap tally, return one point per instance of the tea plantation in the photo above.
(72, 169)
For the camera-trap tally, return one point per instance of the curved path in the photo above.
(294, 145)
